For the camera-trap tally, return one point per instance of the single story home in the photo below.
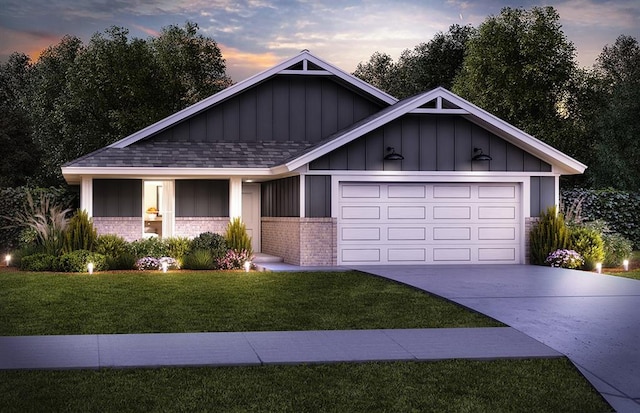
(325, 169)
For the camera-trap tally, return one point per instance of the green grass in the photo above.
(146, 302)
(634, 268)
(447, 386)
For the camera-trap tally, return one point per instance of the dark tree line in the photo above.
(77, 97)
(520, 66)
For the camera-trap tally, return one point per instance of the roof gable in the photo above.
(302, 64)
(444, 102)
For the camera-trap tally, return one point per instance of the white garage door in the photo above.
(433, 223)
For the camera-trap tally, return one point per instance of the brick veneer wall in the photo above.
(191, 227)
(529, 222)
(129, 228)
(301, 241)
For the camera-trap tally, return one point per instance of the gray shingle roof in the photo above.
(168, 154)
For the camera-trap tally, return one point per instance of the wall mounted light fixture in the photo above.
(480, 156)
(392, 155)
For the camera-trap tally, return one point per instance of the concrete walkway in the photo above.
(257, 348)
(593, 319)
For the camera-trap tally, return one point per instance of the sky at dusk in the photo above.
(254, 35)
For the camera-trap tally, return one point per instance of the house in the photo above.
(325, 169)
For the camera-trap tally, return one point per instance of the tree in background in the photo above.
(78, 98)
(425, 67)
(518, 67)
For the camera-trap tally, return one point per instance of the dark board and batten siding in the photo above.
(117, 197)
(281, 198)
(430, 143)
(542, 194)
(285, 108)
(318, 196)
(202, 198)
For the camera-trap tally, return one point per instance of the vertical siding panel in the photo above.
(445, 144)
(314, 112)
(375, 150)
(462, 145)
(297, 119)
(480, 139)
(393, 138)
(547, 192)
(198, 128)
(329, 108)
(515, 159)
(531, 163)
(410, 143)
(356, 154)
(428, 145)
(232, 120)
(338, 159)
(318, 196)
(535, 196)
(181, 132)
(345, 108)
(264, 115)
(248, 116)
(498, 151)
(215, 124)
(280, 109)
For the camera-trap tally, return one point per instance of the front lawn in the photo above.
(153, 302)
(447, 386)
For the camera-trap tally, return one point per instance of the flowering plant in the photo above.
(234, 260)
(565, 259)
(147, 263)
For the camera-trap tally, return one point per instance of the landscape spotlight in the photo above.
(165, 266)
(599, 267)
(247, 266)
(625, 264)
(7, 258)
(90, 267)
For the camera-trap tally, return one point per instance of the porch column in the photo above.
(167, 207)
(235, 197)
(86, 195)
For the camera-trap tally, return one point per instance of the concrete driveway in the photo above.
(593, 319)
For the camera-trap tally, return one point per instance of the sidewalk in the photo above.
(258, 348)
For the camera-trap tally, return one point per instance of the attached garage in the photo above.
(433, 223)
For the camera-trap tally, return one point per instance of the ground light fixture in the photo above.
(90, 267)
(7, 259)
(599, 267)
(165, 266)
(247, 266)
(625, 264)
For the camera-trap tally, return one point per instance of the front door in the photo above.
(251, 213)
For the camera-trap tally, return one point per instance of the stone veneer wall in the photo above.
(191, 227)
(129, 228)
(301, 241)
(529, 222)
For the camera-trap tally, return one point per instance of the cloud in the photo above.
(30, 43)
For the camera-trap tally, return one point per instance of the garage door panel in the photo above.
(406, 254)
(406, 234)
(452, 212)
(361, 212)
(496, 254)
(371, 255)
(451, 233)
(360, 234)
(451, 254)
(496, 212)
(407, 212)
(411, 223)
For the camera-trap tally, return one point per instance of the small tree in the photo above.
(550, 234)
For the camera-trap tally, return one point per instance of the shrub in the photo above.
(616, 249)
(37, 262)
(565, 259)
(122, 261)
(237, 237)
(149, 247)
(588, 243)
(112, 245)
(200, 259)
(80, 233)
(620, 209)
(178, 247)
(147, 263)
(549, 234)
(234, 260)
(76, 261)
(214, 243)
